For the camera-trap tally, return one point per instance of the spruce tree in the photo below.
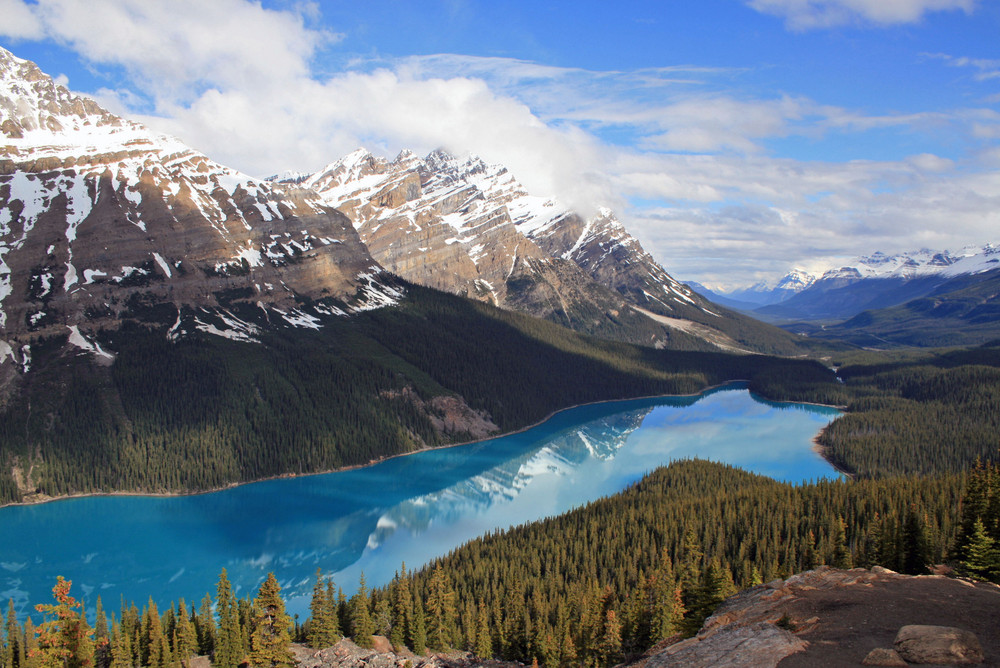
(441, 611)
(269, 643)
(609, 649)
(14, 641)
(228, 641)
(841, 555)
(484, 644)
(121, 647)
(982, 557)
(205, 625)
(419, 628)
(185, 636)
(402, 609)
(322, 618)
(362, 627)
(32, 657)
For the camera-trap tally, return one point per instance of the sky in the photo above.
(737, 139)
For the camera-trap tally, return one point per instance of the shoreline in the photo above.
(821, 450)
(711, 388)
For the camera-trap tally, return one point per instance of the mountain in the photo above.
(963, 310)
(169, 324)
(470, 228)
(879, 281)
(100, 218)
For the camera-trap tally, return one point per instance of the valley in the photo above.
(413, 398)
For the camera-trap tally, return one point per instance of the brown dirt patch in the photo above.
(855, 620)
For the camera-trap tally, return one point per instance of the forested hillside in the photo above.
(925, 413)
(616, 576)
(205, 411)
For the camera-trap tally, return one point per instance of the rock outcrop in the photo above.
(346, 654)
(939, 645)
(830, 617)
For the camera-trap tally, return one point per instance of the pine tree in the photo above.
(185, 636)
(982, 557)
(205, 626)
(402, 609)
(14, 641)
(916, 547)
(228, 640)
(419, 628)
(64, 638)
(121, 647)
(322, 626)
(156, 640)
(269, 644)
(841, 555)
(102, 641)
(362, 627)
(32, 651)
(441, 611)
(382, 617)
(609, 649)
(484, 644)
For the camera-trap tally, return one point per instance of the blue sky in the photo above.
(735, 138)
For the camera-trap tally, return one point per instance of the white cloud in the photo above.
(986, 68)
(807, 14)
(18, 21)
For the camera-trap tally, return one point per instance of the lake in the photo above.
(408, 509)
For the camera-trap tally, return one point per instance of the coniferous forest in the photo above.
(592, 587)
(203, 412)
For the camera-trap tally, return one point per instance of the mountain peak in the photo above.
(100, 216)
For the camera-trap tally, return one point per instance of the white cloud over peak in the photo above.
(809, 14)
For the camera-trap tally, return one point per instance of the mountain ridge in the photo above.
(469, 227)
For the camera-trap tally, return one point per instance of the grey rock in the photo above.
(883, 656)
(942, 645)
(759, 644)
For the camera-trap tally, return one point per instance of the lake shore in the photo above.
(37, 499)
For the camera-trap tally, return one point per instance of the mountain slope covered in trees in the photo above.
(204, 411)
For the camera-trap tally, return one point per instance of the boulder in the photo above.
(760, 644)
(883, 656)
(941, 645)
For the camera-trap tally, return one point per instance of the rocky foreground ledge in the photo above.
(829, 617)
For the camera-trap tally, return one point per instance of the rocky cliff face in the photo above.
(470, 228)
(100, 218)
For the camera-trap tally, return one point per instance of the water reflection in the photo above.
(410, 509)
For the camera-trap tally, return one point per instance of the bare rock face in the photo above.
(939, 645)
(101, 218)
(467, 227)
(759, 644)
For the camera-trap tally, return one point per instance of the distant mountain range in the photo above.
(869, 282)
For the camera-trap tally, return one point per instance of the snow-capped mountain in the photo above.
(469, 227)
(970, 260)
(880, 281)
(99, 216)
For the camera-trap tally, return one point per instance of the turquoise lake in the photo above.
(408, 509)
